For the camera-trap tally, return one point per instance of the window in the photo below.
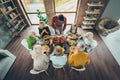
(31, 7)
(68, 8)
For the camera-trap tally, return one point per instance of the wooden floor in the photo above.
(102, 67)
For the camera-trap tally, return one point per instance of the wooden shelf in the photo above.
(17, 32)
(86, 27)
(88, 23)
(91, 12)
(89, 18)
(10, 11)
(95, 4)
(13, 18)
(4, 2)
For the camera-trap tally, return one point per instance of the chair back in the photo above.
(24, 43)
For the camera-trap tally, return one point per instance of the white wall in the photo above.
(112, 10)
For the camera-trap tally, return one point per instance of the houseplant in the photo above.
(41, 18)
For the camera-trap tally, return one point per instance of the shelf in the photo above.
(13, 18)
(92, 12)
(17, 32)
(86, 27)
(19, 22)
(89, 18)
(95, 4)
(10, 11)
(88, 23)
(16, 25)
(4, 2)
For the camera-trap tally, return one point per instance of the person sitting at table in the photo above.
(31, 39)
(73, 29)
(58, 57)
(89, 41)
(40, 60)
(43, 29)
(59, 23)
(78, 59)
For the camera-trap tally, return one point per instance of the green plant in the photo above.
(41, 18)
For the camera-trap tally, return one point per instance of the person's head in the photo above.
(89, 35)
(58, 51)
(42, 24)
(31, 33)
(73, 27)
(73, 49)
(37, 49)
(61, 17)
(81, 46)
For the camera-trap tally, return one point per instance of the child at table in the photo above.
(31, 39)
(58, 57)
(78, 58)
(40, 60)
(73, 29)
(89, 41)
(43, 29)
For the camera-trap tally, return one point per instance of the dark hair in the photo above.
(61, 17)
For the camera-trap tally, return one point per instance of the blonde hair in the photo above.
(58, 50)
(30, 32)
(89, 34)
(41, 22)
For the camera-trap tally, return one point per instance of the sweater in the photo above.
(58, 61)
(31, 41)
(78, 59)
(56, 23)
(45, 28)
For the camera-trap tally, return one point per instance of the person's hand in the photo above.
(57, 31)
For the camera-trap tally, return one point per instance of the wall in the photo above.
(112, 10)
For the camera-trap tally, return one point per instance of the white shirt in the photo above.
(58, 61)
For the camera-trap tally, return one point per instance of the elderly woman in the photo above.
(89, 41)
(40, 60)
(43, 29)
(58, 57)
(31, 39)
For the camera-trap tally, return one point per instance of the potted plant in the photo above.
(41, 18)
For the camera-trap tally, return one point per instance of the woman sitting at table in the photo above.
(58, 57)
(43, 29)
(40, 60)
(31, 40)
(73, 29)
(89, 41)
(78, 59)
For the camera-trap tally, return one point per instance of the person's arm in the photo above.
(70, 61)
(48, 31)
(65, 22)
(53, 21)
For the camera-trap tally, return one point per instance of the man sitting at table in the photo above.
(43, 29)
(78, 59)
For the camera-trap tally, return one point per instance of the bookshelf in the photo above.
(11, 22)
(92, 15)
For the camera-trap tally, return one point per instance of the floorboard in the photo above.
(103, 66)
